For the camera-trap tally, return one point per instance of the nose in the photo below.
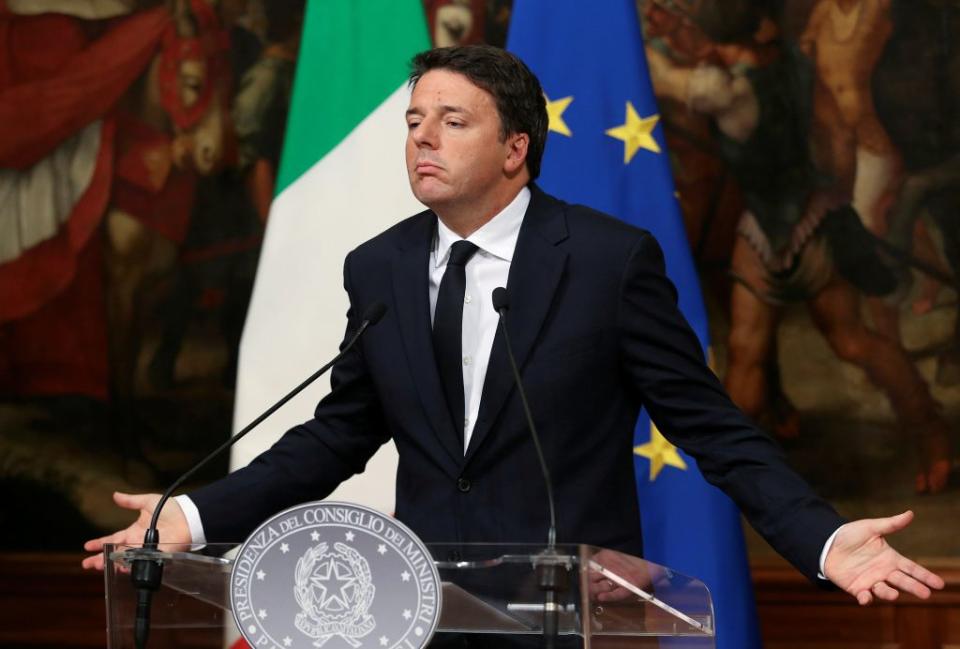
(425, 133)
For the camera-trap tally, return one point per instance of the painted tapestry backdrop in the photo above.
(814, 147)
(815, 151)
(139, 144)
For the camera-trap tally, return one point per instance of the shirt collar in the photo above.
(497, 237)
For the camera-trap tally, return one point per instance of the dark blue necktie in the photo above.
(447, 328)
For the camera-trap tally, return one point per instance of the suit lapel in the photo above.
(535, 273)
(412, 303)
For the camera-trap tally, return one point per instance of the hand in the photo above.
(172, 526)
(862, 562)
(634, 570)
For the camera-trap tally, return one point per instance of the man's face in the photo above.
(455, 152)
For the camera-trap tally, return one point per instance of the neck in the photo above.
(467, 219)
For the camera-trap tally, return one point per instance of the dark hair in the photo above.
(515, 90)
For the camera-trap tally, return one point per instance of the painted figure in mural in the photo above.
(710, 199)
(106, 195)
(122, 151)
(798, 238)
(180, 109)
(919, 112)
(57, 161)
(219, 253)
(263, 99)
(467, 22)
(455, 22)
(845, 39)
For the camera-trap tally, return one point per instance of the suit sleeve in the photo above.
(311, 459)
(664, 361)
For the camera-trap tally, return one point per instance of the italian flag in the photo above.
(341, 181)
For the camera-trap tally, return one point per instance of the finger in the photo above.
(131, 501)
(615, 595)
(93, 545)
(123, 537)
(595, 576)
(891, 524)
(96, 545)
(604, 586)
(94, 562)
(864, 597)
(908, 584)
(921, 574)
(883, 591)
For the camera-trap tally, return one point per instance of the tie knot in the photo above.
(461, 252)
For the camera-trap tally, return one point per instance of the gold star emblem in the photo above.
(636, 133)
(660, 452)
(555, 113)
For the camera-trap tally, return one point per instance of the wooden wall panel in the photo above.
(50, 601)
(795, 615)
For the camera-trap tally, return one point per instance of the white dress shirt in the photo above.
(487, 269)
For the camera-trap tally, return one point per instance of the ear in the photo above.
(517, 144)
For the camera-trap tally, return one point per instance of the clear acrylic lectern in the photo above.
(609, 600)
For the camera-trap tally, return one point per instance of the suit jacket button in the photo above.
(463, 485)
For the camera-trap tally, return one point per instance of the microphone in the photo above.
(551, 580)
(146, 573)
(501, 301)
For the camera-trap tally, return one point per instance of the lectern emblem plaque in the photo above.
(334, 575)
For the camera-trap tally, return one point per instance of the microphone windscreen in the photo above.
(501, 300)
(374, 312)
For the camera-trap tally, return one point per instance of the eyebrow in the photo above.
(446, 108)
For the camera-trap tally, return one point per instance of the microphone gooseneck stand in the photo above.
(551, 573)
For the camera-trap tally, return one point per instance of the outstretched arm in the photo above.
(693, 411)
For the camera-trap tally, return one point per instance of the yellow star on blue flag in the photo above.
(636, 133)
(555, 110)
(660, 452)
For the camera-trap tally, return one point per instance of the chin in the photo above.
(431, 202)
(429, 196)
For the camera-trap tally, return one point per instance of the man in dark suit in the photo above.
(596, 331)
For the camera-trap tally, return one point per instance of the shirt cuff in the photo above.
(823, 553)
(197, 537)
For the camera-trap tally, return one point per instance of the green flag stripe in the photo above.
(354, 54)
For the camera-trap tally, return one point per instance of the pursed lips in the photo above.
(427, 167)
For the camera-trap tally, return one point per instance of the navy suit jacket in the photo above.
(597, 333)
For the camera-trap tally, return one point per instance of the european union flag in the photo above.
(606, 150)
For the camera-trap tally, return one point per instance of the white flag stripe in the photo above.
(296, 318)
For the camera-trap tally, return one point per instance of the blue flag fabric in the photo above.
(606, 150)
